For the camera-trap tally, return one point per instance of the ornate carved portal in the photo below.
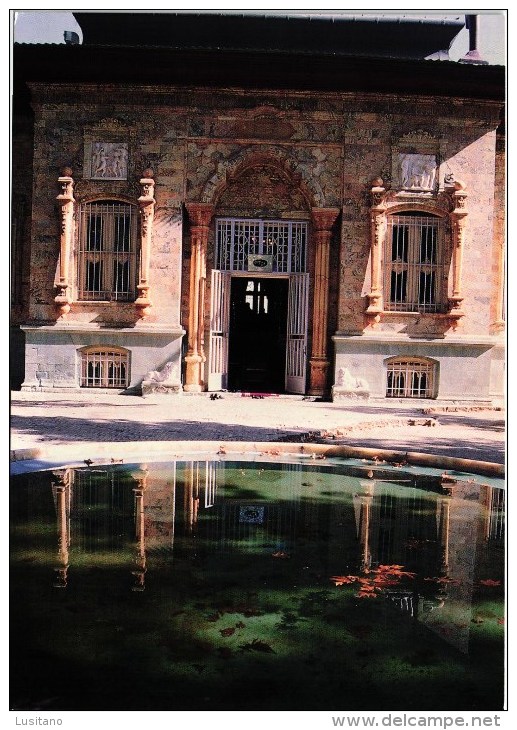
(323, 219)
(66, 202)
(200, 215)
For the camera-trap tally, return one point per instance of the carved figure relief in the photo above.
(109, 160)
(417, 171)
(347, 381)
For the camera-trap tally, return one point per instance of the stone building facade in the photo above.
(318, 237)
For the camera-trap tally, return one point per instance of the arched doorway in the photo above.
(259, 306)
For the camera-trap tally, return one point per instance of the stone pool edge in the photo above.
(78, 454)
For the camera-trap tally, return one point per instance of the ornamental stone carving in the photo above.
(348, 386)
(108, 160)
(417, 172)
(166, 380)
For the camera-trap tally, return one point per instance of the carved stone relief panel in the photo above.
(106, 160)
(417, 171)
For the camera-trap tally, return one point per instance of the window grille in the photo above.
(107, 263)
(414, 264)
(105, 368)
(410, 379)
(285, 241)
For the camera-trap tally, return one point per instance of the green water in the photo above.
(255, 586)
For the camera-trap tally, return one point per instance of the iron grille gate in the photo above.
(286, 243)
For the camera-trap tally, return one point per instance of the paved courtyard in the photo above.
(40, 420)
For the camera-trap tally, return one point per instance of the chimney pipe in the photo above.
(71, 38)
(473, 55)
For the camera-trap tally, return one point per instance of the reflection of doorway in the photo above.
(258, 329)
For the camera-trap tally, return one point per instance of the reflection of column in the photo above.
(191, 496)
(323, 219)
(146, 204)
(378, 231)
(365, 504)
(61, 495)
(200, 215)
(66, 204)
(443, 532)
(140, 560)
(459, 221)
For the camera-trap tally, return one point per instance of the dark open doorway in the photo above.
(258, 325)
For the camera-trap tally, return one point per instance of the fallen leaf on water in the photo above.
(500, 621)
(340, 580)
(227, 632)
(490, 583)
(280, 554)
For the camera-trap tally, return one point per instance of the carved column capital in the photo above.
(324, 218)
(146, 203)
(200, 214)
(65, 201)
(378, 193)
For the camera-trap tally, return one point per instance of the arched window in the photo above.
(414, 263)
(105, 367)
(411, 378)
(107, 261)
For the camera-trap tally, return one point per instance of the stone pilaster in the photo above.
(65, 201)
(200, 215)
(378, 231)
(323, 219)
(458, 221)
(146, 203)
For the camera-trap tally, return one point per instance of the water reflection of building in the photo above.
(451, 537)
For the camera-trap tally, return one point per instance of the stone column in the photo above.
(378, 231)
(200, 215)
(146, 203)
(458, 220)
(66, 201)
(322, 219)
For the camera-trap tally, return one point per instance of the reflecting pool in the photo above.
(256, 585)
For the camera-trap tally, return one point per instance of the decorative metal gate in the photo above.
(285, 243)
(296, 356)
(219, 326)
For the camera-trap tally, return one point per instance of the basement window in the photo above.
(411, 378)
(105, 368)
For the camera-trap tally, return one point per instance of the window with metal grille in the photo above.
(414, 264)
(411, 378)
(284, 241)
(107, 261)
(105, 368)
